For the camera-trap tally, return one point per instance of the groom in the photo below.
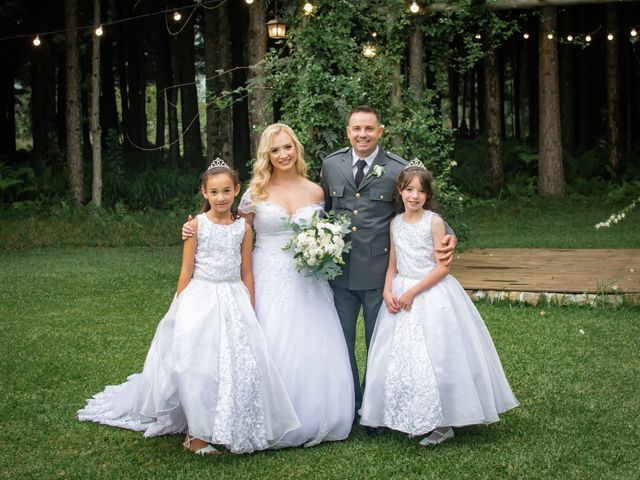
(360, 181)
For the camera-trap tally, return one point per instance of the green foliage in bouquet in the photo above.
(318, 245)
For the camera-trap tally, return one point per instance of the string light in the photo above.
(99, 31)
(587, 38)
(478, 36)
(569, 38)
(634, 32)
(369, 50)
(36, 41)
(525, 36)
(550, 36)
(610, 37)
(374, 34)
(415, 8)
(248, 2)
(308, 8)
(177, 16)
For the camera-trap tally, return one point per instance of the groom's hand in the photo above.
(187, 231)
(445, 250)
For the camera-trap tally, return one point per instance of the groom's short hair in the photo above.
(364, 109)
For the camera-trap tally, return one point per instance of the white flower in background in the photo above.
(453, 163)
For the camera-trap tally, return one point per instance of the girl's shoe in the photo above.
(208, 450)
(438, 436)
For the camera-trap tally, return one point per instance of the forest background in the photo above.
(500, 102)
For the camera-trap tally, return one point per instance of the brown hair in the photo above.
(233, 175)
(364, 109)
(425, 177)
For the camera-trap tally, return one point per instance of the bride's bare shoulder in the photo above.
(314, 190)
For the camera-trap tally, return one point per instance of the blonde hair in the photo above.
(262, 168)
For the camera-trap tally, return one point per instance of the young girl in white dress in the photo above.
(207, 372)
(432, 364)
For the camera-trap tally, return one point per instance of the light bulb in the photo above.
(248, 2)
(99, 31)
(36, 41)
(587, 38)
(634, 32)
(415, 8)
(478, 36)
(550, 36)
(610, 37)
(569, 38)
(177, 16)
(308, 8)
(526, 36)
(374, 34)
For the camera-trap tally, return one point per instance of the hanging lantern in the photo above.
(369, 50)
(277, 29)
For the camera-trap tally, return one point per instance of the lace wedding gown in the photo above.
(207, 370)
(302, 328)
(434, 365)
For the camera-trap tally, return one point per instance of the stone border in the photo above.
(556, 298)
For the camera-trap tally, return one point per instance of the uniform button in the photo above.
(333, 193)
(355, 212)
(354, 229)
(381, 197)
(358, 195)
(386, 249)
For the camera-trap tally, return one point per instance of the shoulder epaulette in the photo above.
(342, 150)
(397, 158)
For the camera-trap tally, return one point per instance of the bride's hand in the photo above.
(406, 300)
(391, 302)
(187, 231)
(445, 251)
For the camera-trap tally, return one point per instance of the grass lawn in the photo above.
(75, 320)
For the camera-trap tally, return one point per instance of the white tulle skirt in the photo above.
(306, 342)
(207, 372)
(434, 365)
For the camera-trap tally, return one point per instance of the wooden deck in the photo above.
(553, 270)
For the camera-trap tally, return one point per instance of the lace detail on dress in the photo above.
(246, 204)
(415, 253)
(411, 397)
(218, 255)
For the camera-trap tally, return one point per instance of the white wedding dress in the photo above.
(208, 369)
(434, 365)
(303, 331)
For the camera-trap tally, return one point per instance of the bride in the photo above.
(297, 313)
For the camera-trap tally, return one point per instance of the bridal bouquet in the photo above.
(318, 245)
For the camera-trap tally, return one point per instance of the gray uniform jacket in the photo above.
(371, 208)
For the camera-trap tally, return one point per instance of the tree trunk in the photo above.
(416, 58)
(163, 80)
(454, 94)
(218, 57)
(550, 167)
(74, 107)
(567, 90)
(186, 72)
(43, 108)
(495, 175)
(7, 113)
(518, 4)
(481, 100)
(96, 130)
(525, 90)
(259, 111)
(517, 91)
(123, 73)
(108, 104)
(614, 153)
(137, 124)
(172, 104)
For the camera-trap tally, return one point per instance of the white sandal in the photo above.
(208, 450)
(438, 436)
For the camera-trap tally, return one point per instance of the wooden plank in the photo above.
(550, 270)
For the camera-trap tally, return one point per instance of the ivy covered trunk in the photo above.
(550, 167)
(495, 175)
(259, 111)
(613, 91)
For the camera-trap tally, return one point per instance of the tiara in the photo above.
(218, 162)
(415, 163)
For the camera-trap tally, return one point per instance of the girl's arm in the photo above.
(246, 271)
(188, 257)
(440, 271)
(389, 300)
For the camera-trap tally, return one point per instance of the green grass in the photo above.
(549, 223)
(75, 320)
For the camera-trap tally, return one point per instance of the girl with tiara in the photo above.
(207, 372)
(432, 364)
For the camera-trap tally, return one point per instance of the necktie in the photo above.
(360, 164)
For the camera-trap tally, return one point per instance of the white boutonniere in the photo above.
(377, 171)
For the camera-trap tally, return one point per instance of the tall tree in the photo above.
(567, 78)
(259, 110)
(43, 106)
(550, 167)
(217, 48)
(94, 114)
(416, 58)
(495, 175)
(74, 107)
(614, 153)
